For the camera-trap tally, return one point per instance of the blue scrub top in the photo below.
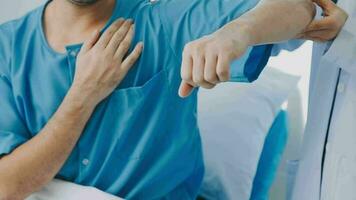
(142, 142)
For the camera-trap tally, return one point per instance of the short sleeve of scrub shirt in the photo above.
(13, 131)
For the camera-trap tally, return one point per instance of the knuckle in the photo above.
(125, 44)
(198, 79)
(199, 49)
(223, 73)
(186, 51)
(113, 28)
(120, 35)
(188, 48)
(110, 32)
(186, 76)
(211, 78)
(230, 55)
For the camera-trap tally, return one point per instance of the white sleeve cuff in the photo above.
(343, 49)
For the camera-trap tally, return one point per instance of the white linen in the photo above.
(234, 129)
(340, 151)
(62, 190)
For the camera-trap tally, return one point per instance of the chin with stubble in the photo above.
(83, 2)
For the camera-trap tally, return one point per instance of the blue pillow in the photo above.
(271, 156)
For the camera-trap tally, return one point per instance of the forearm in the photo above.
(275, 20)
(35, 163)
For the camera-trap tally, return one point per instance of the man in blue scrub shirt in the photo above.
(81, 113)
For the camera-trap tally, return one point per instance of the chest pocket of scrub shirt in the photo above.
(134, 114)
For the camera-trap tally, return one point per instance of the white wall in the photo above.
(11, 9)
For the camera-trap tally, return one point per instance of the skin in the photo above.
(100, 68)
(329, 26)
(206, 61)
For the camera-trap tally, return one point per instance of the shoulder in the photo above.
(27, 21)
(12, 33)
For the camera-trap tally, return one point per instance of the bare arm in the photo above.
(270, 21)
(35, 163)
(275, 20)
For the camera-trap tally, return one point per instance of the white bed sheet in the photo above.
(62, 190)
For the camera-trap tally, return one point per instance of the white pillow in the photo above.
(62, 190)
(234, 120)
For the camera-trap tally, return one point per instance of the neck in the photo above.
(68, 14)
(67, 23)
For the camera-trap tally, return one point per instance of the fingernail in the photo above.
(120, 20)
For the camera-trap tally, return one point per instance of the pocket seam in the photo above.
(141, 87)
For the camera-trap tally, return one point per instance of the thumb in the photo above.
(185, 89)
(326, 5)
(319, 24)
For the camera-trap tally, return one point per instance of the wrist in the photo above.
(242, 32)
(79, 101)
